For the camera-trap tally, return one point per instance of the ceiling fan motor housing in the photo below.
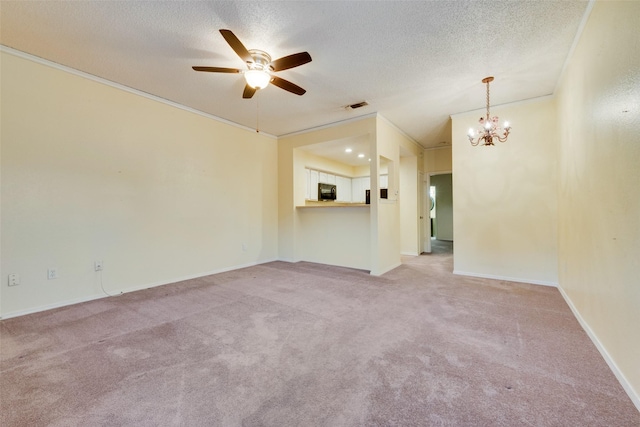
(261, 60)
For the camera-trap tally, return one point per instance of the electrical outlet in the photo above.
(244, 247)
(14, 279)
(98, 266)
(52, 273)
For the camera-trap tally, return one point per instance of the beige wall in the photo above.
(304, 232)
(437, 160)
(410, 188)
(599, 177)
(311, 161)
(91, 172)
(409, 205)
(300, 229)
(385, 213)
(504, 205)
(335, 236)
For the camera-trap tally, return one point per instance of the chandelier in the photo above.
(489, 128)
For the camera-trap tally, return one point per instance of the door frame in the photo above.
(425, 238)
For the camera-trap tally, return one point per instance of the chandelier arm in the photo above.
(475, 142)
(503, 138)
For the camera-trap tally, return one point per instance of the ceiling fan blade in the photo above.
(287, 85)
(236, 45)
(217, 69)
(248, 92)
(291, 61)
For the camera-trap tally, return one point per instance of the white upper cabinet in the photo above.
(348, 189)
(343, 187)
(313, 185)
(358, 189)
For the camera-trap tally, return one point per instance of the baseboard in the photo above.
(191, 276)
(380, 273)
(410, 253)
(115, 293)
(509, 279)
(633, 395)
(52, 306)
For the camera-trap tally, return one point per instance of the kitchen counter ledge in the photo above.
(317, 204)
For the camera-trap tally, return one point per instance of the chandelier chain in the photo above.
(488, 101)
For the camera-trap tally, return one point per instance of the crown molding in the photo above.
(73, 71)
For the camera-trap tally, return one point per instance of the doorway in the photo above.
(438, 211)
(442, 214)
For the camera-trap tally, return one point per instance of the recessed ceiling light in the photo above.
(361, 155)
(348, 150)
(369, 159)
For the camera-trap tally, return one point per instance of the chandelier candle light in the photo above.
(489, 128)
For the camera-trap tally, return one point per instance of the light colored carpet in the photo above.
(311, 345)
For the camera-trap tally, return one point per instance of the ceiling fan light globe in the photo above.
(257, 79)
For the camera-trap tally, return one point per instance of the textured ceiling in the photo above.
(414, 62)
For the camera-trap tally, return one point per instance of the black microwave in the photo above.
(326, 191)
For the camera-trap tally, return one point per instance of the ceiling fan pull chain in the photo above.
(258, 112)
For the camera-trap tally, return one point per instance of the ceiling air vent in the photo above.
(356, 105)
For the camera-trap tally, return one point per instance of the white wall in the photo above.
(91, 172)
(599, 177)
(504, 205)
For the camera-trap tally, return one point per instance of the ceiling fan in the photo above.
(260, 67)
